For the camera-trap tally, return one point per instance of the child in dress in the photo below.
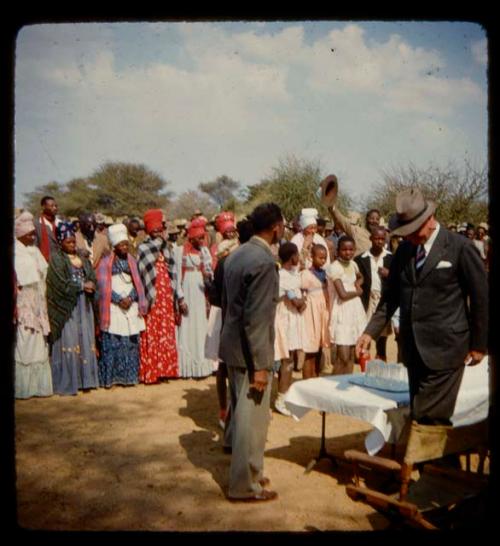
(289, 321)
(348, 317)
(319, 291)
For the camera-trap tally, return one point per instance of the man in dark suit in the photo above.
(374, 265)
(440, 284)
(249, 299)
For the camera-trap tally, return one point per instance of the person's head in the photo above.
(24, 228)
(337, 229)
(470, 233)
(245, 230)
(372, 219)
(480, 232)
(319, 255)
(308, 221)
(452, 227)
(328, 229)
(295, 225)
(267, 221)
(414, 219)
(289, 253)
(197, 233)
(118, 238)
(377, 238)
(153, 223)
(321, 225)
(346, 248)
(87, 224)
(100, 222)
(65, 236)
(133, 226)
(49, 207)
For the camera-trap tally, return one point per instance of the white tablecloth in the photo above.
(335, 394)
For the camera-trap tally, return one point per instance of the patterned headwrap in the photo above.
(64, 230)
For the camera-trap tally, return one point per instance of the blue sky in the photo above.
(193, 101)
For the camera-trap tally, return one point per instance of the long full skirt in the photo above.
(119, 362)
(158, 350)
(193, 329)
(33, 373)
(74, 361)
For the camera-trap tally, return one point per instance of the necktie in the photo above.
(420, 258)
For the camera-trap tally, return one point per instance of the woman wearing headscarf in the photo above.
(158, 349)
(122, 305)
(195, 272)
(33, 376)
(305, 239)
(71, 294)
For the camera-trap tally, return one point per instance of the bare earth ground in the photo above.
(150, 458)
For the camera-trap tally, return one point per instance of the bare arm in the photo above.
(343, 294)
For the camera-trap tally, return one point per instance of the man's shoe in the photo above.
(279, 405)
(264, 495)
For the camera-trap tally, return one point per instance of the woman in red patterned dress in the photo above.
(158, 349)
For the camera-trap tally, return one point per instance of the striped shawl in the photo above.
(62, 292)
(104, 282)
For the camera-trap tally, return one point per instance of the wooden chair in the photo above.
(419, 494)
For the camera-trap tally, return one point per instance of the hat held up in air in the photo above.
(412, 210)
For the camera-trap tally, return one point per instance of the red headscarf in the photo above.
(222, 220)
(196, 228)
(153, 219)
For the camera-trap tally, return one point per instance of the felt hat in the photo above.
(329, 189)
(412, 210)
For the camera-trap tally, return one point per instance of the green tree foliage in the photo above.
(293, 185)
(221, 191)
(187, 202)
(461, 195)
(115, 189)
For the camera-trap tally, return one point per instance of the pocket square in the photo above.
(443, 264)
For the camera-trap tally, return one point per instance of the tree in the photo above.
(187, 202)
(293, 185)
(221, 190)
(115, 188)
(461, 195)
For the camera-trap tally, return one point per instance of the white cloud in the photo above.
(480, 51)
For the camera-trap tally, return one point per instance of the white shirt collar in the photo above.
(368, 254)
(431, 239)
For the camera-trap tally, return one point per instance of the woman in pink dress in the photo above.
(158, 349)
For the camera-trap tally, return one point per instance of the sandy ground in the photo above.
(150, 458)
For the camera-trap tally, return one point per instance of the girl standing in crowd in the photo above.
(348, 317)
(71, 294)
(194, 268)
(289, 324)
(33, 376)
(319, 291)
(122, 304)
(158, 349)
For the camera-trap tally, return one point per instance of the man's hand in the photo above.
(473, 358)
(183, 308)
(363, 344)
(383, 272)
(260, 380)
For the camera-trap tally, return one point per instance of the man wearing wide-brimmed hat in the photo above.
(348, 224)
(440, 285)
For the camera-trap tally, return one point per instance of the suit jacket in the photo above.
(366, 270)
(249, 300)
(53, 244)
(443, 308)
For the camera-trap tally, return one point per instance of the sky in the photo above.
(193, 101)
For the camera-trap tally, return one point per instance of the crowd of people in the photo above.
(102, 303)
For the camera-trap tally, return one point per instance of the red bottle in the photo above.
(363, 359)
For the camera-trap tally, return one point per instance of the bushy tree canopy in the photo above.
(222, 190)
(461, 195)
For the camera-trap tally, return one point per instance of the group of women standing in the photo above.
(125, 322)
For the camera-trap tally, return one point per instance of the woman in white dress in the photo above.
(33, 376)
(348, 317)
(194, 273)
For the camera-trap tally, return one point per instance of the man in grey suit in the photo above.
(249, 301)
(440, 284)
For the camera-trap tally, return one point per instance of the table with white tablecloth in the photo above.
(381, 408)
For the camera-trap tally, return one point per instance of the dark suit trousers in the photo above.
(433, 393)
